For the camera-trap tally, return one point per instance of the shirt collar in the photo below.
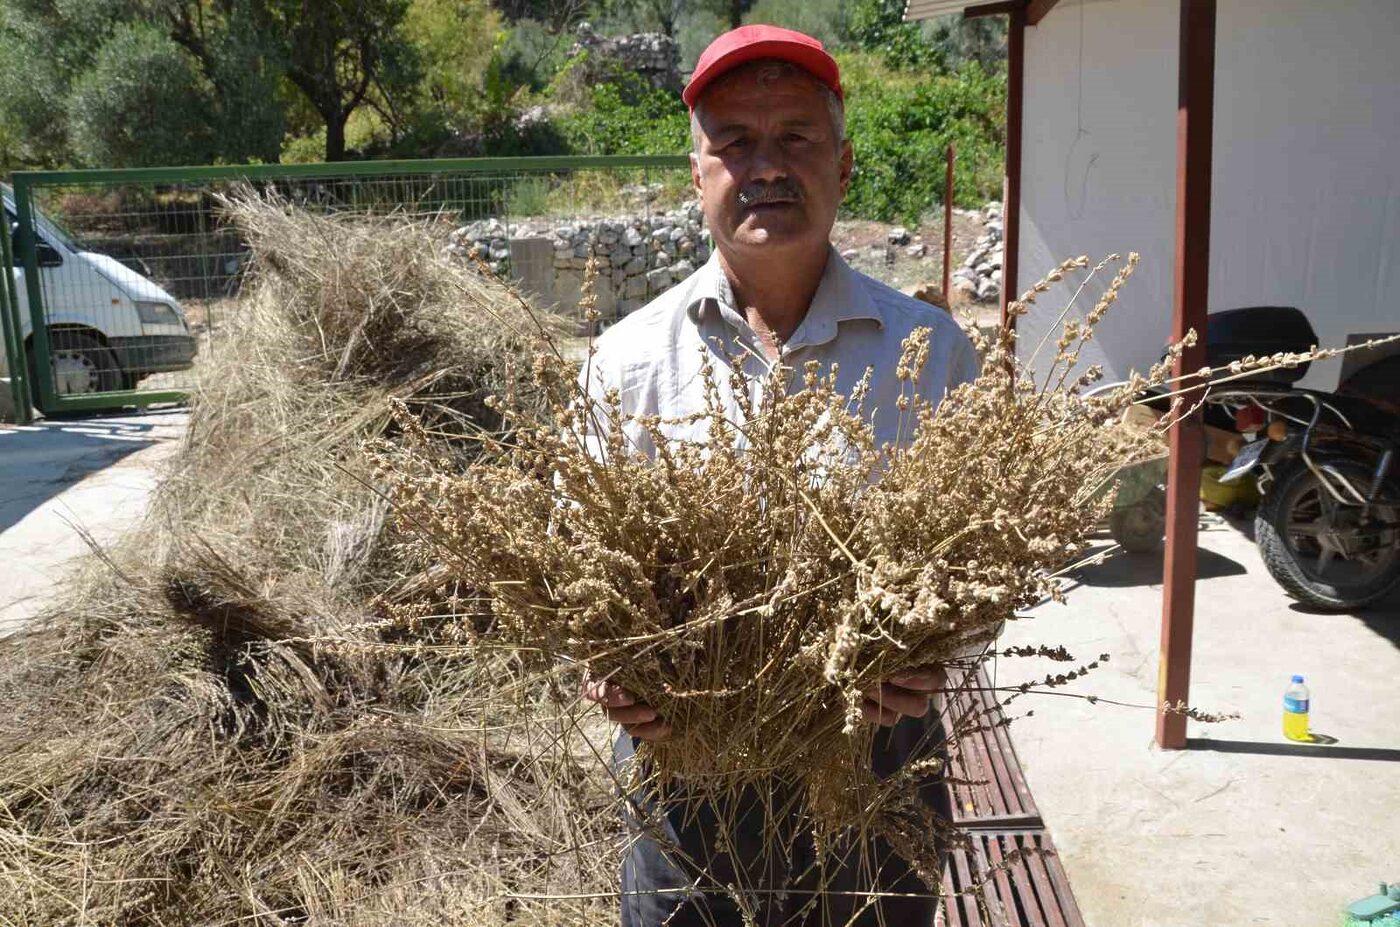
(842, 296)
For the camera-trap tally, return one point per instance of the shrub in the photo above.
(305, 149)
(879, 26)
(900, 125)
(825, 20)
(628, 116)
(141, 103)
(529, 196)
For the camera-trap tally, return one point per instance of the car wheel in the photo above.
(79, 364)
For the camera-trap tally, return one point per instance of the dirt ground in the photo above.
(883, 261)
(891, 264)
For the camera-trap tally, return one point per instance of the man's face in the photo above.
(769, 170)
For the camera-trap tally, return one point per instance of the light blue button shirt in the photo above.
(653, 357)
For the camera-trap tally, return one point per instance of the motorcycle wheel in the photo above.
(1321, 552)
(1139, 528)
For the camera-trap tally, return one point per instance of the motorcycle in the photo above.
(1328, 523)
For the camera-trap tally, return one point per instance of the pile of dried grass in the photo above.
(178, 742)
(752, 586)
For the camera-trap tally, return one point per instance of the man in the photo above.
(771, 165)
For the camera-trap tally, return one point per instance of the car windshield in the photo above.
(56, 233)
(48, 228)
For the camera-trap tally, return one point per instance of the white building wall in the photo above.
(1306, 179)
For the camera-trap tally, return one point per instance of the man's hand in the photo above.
(638, 719)
(905, 694)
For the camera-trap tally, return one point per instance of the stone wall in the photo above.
(653, 55)
(637, 257)
(642, 255)
(980, 275)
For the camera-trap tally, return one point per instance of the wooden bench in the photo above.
(993, 804)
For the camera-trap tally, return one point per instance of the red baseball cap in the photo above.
(750, 43)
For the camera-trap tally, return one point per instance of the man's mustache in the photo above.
(782, 190)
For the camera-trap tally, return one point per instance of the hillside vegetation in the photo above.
(92, 83)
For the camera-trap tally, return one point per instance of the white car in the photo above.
(108, 326)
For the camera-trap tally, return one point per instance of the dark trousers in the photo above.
(754, 845)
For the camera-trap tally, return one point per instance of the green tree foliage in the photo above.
(68, 65)
(961, 40)
(53, 48)
(900, 125)
(141, 103)
(333, 57)
(879, 26)
(243, 70)
(46, 46)
(556, 15)
(248, 61)
(338, 52)
(627, 116)
(944, 44)
(455, 41)
(31, 101)
(529, 55)
(825, 20)
(647, 15)
(671, 16)
(696, 30)
(118, 82)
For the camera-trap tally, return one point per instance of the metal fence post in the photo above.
(11, 328)
(951, 156)
(29, 255)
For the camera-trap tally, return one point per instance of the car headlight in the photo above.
(153, 313)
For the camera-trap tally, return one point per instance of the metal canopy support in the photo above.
(994, 9)
(1036, 10)
(1195, 111)
(1011, 204)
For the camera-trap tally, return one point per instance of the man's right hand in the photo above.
(638, 719)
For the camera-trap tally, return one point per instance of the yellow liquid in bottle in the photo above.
(1295, 725)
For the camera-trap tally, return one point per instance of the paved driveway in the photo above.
(59, 476)
(1244, 827)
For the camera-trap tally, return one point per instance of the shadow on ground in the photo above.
(1382, 618)
(1260, 748)
(1123, 570)
(37, 462)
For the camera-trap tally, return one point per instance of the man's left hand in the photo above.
(905, 694)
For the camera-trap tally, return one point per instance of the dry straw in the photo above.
(749, 587)
(174, 748)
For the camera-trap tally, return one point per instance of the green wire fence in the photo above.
(117, 281)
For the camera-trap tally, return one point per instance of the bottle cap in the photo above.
(1297, 678)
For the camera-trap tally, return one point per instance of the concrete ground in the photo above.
(1243, 827)
(57, 477)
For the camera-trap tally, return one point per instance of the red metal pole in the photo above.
(948, 229)
(1011, 203)
(1195, 111)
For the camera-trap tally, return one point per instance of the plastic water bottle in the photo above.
(1295, 711)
